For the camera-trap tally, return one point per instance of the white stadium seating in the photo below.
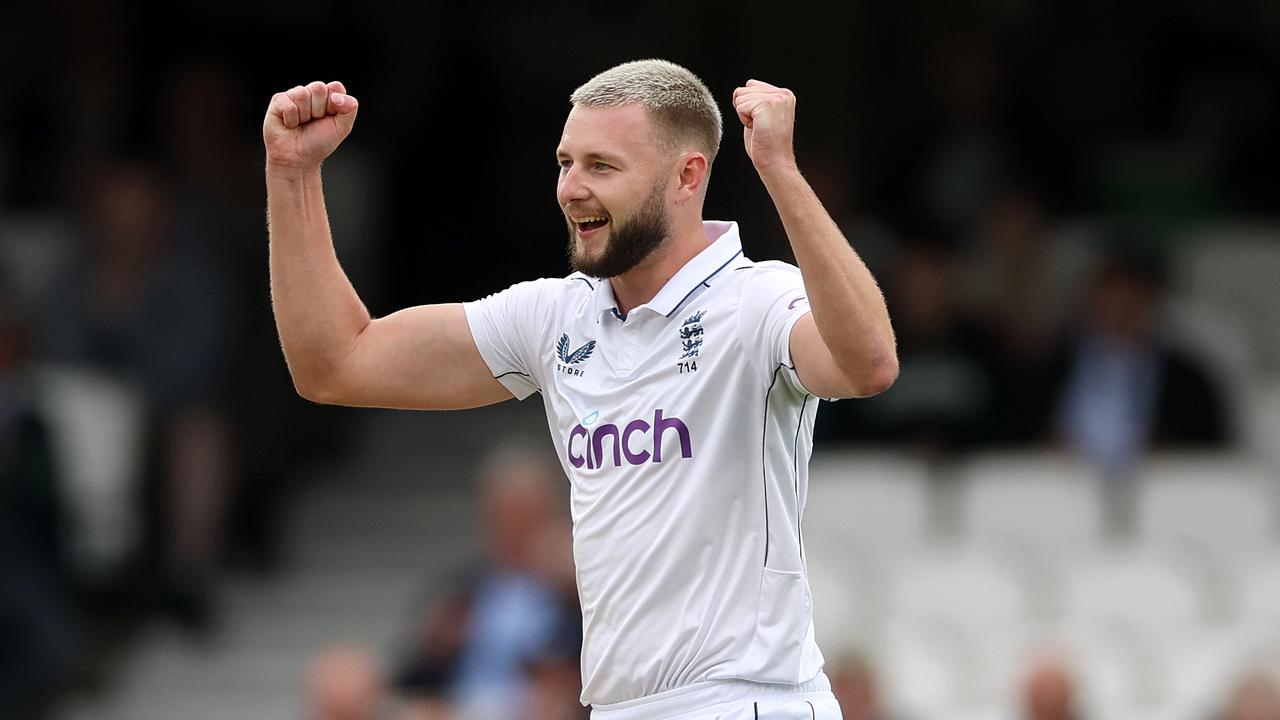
(1236, 267)
(870, 502)
(1218, 506)
(1149, 589)
(1158, 627)
(1047, 504)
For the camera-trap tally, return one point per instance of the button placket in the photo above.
(631, 330)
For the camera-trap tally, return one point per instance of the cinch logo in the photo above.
(590, 450)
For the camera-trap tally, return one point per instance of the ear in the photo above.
(691, 171)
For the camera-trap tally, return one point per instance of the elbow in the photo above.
(311, 392)
(322, 391)
(882, 377)
(316, 378)
(874, 379)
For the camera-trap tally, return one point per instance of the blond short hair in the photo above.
(676, 99)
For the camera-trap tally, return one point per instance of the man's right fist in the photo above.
(304, 125)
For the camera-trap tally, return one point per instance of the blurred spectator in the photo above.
(555, 682)
(1256, 697)
(1049, 692)
(853, 681)
(1007, 274)
(474, 646)
(217, 206)
(37, 617)
(944, 399)
(834, 182)
(1018, 285)
(504, 644)
(1116, 389)
(146, 304)
(968, 159)
(345, 683)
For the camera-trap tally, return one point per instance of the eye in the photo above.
(599, 166)
(564, 163)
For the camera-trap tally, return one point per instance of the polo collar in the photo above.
(724, 248)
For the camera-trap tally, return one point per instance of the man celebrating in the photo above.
(680, 378)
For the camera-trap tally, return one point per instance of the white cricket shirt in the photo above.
(686, 434)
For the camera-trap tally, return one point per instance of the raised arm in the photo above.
(422, 357)
(845, 347)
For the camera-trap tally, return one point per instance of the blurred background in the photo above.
(1065, 508)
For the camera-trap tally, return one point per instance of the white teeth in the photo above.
(588, 218)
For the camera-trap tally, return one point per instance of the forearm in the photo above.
(318, 314)
(847, 304)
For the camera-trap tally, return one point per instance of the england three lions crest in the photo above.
(691, 337)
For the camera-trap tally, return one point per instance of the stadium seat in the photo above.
(1133, 588)
(97, 426)
(1120, 677)
(1045, 503)
(1261, 424)
(922, 669)
(1236, 267)
(1042, 507)
(963, 585)
(35, 248)
(1220, 341)
(870, 502)
(971, 600)
(1201, 665)
(1256, 579)
(1217, 505)
(848, 601)
(937, 669)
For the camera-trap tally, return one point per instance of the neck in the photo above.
(641, 283)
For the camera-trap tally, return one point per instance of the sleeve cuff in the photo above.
(518, 382)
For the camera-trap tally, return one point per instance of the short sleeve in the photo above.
(505, 325)
(773, 299)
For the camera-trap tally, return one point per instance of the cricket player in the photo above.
(680, 378)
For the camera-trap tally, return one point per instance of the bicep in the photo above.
(421, 357)
(814, 365)
(817, 368)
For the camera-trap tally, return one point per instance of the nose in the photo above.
(571, 188)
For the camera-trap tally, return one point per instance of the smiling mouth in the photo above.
(590, 223)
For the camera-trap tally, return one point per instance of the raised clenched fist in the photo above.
(768, 115)
(306, 124)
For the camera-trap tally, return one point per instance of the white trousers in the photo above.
(814, 706)
(731, 700)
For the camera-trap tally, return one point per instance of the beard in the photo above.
(629, 242)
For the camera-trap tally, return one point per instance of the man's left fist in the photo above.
(768, 116)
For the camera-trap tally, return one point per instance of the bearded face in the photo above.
(613, 188)
(616, 245)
